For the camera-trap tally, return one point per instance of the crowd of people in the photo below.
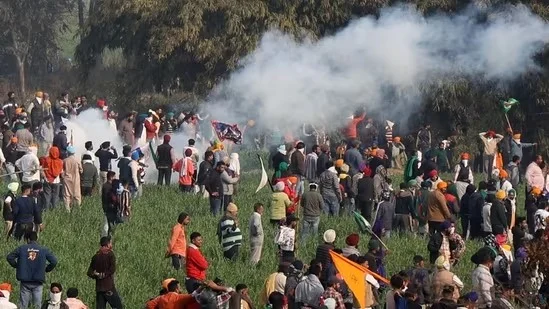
(352, 179)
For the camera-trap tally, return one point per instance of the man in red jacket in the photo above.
(196, 264)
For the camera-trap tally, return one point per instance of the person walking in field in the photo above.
(166, 159)
(185, 168)
(102, 268)
(7, 211)
(177, 247)
(256, 233)
(89, 176)
(109, 201)
(52, 168)
(27, 215)
(312, 204)
(32, 262)
(72, 168)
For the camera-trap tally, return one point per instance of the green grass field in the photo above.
(140, 244)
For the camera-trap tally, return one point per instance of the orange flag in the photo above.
(354, 276)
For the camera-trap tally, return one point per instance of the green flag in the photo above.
(508, 104)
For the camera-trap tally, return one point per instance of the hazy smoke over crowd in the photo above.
(374, 62)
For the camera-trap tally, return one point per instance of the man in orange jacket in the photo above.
(173, 298)
(177, 247)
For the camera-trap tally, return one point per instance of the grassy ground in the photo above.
(140, 244)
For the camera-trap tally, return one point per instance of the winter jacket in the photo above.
(297, 163)
(312, 204)
(498, 219)
(60, 141)
(483, 284)
(365, 189)
(329, 184)
(204, 170)
(105, 158)
(404, 203)
(228, 183)
(516, 148)
(435, 242)
(214, 184)
(104, 263)
(354, 159)
(279, 202)
(386, 214)
(196, 263)
(323, 158)
(30, 261)
(438, 210)
(165, 154)
(88, 179)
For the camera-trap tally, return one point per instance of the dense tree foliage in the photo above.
(29, 33)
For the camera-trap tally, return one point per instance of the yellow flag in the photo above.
(354, 276)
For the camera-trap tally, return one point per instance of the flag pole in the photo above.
(508, 122)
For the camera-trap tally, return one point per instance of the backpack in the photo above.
(422, 207)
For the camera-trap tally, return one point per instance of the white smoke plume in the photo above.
(373, 63)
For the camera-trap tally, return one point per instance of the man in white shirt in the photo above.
(29, 165)
(256, 234)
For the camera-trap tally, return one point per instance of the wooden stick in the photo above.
(508, 122)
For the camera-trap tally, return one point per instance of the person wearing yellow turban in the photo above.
(498, 218)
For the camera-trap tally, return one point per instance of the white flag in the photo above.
(264, 177)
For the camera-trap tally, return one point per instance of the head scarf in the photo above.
(53, 165)
(282, 167)
(279, 187)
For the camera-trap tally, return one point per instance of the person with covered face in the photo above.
(490, 142)
(55, 302)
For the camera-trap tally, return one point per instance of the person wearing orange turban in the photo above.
(398, 154)
(517, 146)
(437, 211)
(463, 171)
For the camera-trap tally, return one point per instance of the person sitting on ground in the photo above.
(72, 300)
(55, 302)
(5, 291)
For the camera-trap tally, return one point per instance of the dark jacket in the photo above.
(297, 165)
(105, 157)
(102, 268)
(7, 212)
(323, 158)
(30, 261)
(60, 141)
(204, 170)
(312, 204)
(25, 210)
(434, 246)
(420, 281)
(404, 203)
(125, 171)
(214, 184)
(279, 158)
(365, 189)
(37, 115)
(163, 153)
(11, 154)
(106, 198)
(498, 219)
(89, 175)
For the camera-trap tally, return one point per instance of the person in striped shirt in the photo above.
(229, 234)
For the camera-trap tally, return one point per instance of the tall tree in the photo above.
(30, 25)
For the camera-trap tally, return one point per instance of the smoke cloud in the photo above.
(375, 64)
